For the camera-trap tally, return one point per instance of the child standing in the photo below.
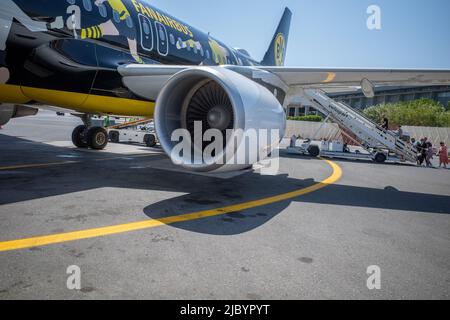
(443, 155)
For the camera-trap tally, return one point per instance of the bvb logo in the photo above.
(280, 47)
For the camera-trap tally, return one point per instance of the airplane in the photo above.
(126, 57)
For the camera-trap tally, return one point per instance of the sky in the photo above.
(328, 33)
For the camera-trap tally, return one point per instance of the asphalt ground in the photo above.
(139, 228)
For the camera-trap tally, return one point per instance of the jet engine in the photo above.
(9, 111)
(196, 100)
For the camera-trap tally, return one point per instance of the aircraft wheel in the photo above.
(114, 136)
(97, 138)
(78, 137)
(380, 158)
(150, 140)
(314, 151)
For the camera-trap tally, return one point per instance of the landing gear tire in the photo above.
(78, 138)
(97, 138)
(150, 140)
(380, 158)
(314, 151)
(114, 136)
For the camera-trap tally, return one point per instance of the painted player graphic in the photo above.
(10, 11)
(120, 25)
(220, 53)
(189, 43)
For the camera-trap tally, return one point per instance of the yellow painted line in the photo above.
(61, 163)
(152, 223)
(37, 165)
(330, 77)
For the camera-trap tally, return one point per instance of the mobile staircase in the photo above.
(380, 143)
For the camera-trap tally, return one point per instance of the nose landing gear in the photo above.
(88, 136)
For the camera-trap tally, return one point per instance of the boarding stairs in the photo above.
(373, 137)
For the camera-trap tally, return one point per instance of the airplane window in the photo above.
(201, 51)
(172, 39)
(207, 54)
(163, 42)
(146, 33)
(195, 49)
(179, 43)
(188, 47)
(146, 28)
(102, 10)
(129, 22)
(116, 16)
(87, 5)
(162, 36)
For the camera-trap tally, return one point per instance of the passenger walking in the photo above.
(385, 124)
(417, 144)
(400, 132)
(421, 149)
(429, 154)
(443, 155)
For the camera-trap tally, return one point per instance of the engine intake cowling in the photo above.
(220, 99)
(10, 111)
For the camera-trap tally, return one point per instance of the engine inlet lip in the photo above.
(205, 74)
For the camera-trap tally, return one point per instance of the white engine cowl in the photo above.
(221, 99)
(10, 111)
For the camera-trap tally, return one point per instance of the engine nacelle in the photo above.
(9, 111)
(220, 99)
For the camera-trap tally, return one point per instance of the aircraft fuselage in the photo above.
(66, 53)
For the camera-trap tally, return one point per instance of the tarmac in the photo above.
(140, 228)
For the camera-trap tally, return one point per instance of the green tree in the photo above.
(423, 112)
(310, 118)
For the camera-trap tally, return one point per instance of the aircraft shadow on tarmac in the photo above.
(201, 192)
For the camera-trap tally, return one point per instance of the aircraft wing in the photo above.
(142, 78)
(353, 77)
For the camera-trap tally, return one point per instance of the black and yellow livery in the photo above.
(66, 53)
(94, 32)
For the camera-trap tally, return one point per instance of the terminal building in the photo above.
(357, 100)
